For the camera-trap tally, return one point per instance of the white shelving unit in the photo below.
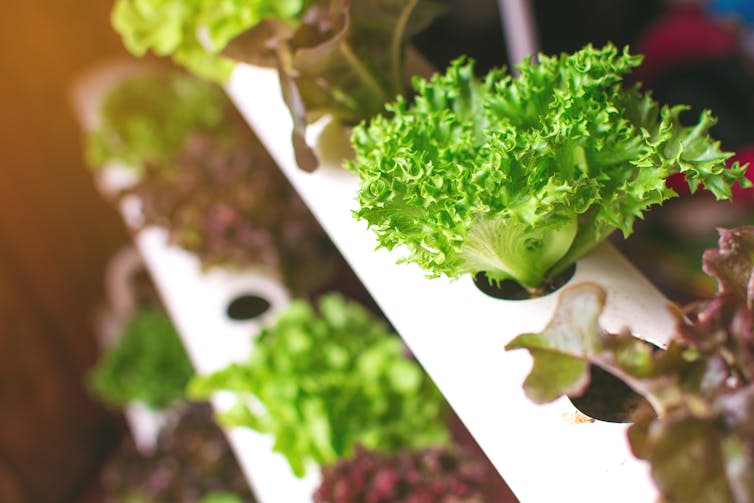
(458, 333)
(197, 302)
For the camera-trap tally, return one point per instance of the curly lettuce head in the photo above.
(519, 177)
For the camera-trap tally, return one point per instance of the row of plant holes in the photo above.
(607, 398)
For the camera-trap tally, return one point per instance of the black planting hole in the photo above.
(607, 398)
(247, 307)
(511, 290)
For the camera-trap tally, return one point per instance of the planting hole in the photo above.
(607, 398)
(247, 307)
(511, 290)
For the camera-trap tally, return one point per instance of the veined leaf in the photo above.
(696, 428)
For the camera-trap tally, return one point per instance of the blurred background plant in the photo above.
(191, 463)
(204, 177)
(147, 364)
(173, 27)
(56, 233)
(431, 475)
(147, 117)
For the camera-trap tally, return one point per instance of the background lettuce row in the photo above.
(521, 176)
(205, 177)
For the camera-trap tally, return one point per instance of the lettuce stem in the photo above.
(366, 77)
(397, 44)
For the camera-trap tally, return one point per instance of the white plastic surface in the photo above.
(458, 334)
(145, 425)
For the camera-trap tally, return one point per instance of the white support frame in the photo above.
(458, 333)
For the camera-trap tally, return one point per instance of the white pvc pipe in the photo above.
(519, 29)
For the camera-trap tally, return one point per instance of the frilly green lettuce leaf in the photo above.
(494, 174)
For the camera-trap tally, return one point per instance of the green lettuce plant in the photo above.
(147, 118)
(194, 32)
(696, 424)
(148, 364)
(327, 381)
(345, 59)
(520, 176)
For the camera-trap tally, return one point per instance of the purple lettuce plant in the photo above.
(432, 475)
(696, 425)
(192, 463)
(206, 178)
(227, 203)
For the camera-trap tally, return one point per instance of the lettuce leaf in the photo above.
(345, 59)
(434, 474)
(519, 177)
